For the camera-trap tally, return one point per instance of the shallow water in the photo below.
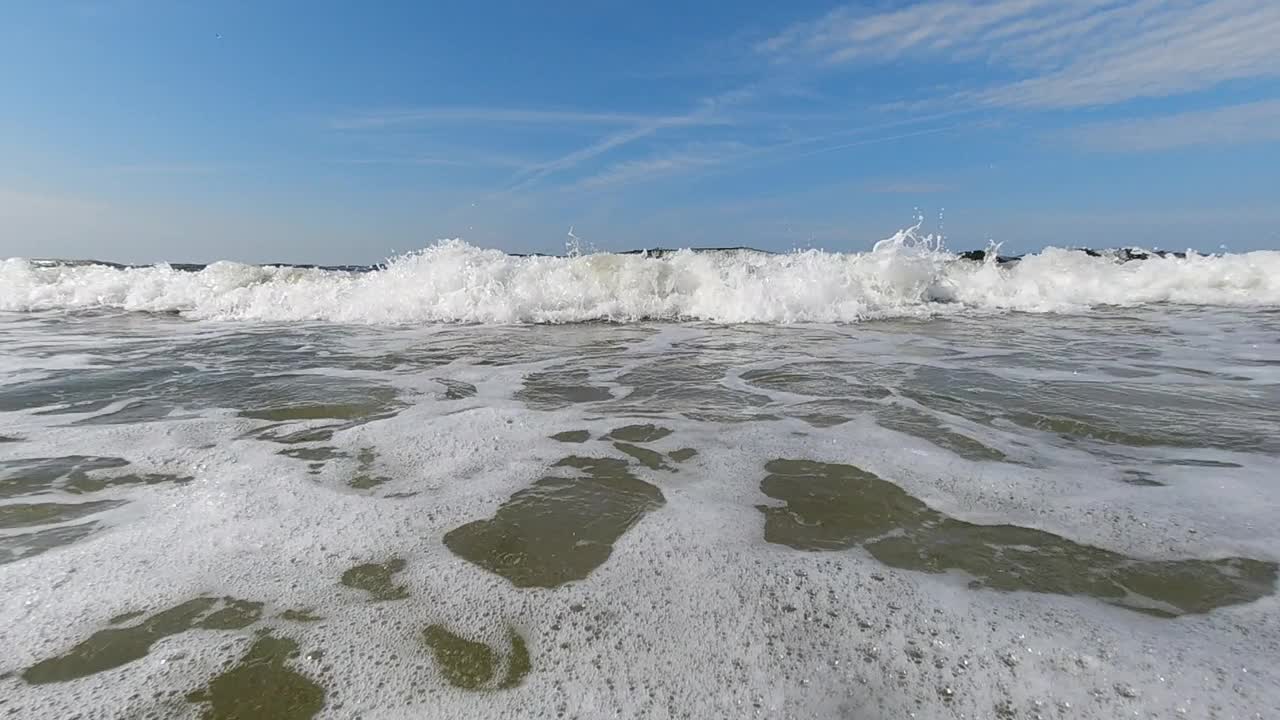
(1010, 516)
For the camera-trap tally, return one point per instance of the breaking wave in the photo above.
(904, 276)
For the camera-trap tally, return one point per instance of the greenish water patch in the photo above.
(572, 436)
(307, 435)
(83, 390)
(126, 617)
(456, 389)
(112, 647)
(143, 411)
(1195, 462)
(20, 515)
(518, 664)
(32, 476)
(638, 433)
(1080, 427)
(366, 482)
(300, 615)
(377, 579)
(365, 478)
(1116, 413)
(323, 453)
(560, 528)
(472, 665)
(30, 544)
(824, 420)
(836, 507)
(1141, 478)
(830, 413)
(315, 457)
(286, 405)
(558, 389)
(1179, 369)
(649, 458)
(262, 686)
(233, 615)
(81, 483)
(465, 664)
(921, 424)
(690, 385)
(375, 403)
(897, 417)
(817, 380)
(310, 412)
(682, 455)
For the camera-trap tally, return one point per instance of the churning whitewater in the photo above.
(907, 275)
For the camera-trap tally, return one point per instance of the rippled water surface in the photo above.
(982, 517)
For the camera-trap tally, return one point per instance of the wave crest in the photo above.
(906, 275)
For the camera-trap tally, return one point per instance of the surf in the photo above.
(908, 275)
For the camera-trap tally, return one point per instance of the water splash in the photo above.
(909, 274)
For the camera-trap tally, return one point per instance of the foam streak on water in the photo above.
(972, 516)
(905, 276)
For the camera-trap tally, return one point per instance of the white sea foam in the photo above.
(689, 618)
(694, 614)
(906, 275)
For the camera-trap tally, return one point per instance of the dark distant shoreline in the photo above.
(1119, 255)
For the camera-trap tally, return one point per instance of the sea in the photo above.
(464, 484)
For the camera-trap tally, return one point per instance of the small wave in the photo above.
(907, 275)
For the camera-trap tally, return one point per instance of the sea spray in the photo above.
(906, 275)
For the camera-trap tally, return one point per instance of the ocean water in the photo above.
(728, 485)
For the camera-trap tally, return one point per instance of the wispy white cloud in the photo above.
(708, 111)
(877, 140)
(1044, 54)
(485, 116)
(930, 30)
(1236, 124)
(596, 149)
(1069, 54)
(630, 128)
(662, 165)
(447, 159)
(1168, 52)
(708, 158)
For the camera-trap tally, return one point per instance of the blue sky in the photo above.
(341, 132)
